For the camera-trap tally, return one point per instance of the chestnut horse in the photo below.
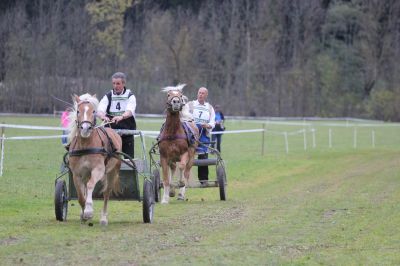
(174, 146)
(91, 156)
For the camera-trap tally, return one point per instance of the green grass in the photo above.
(319, 206)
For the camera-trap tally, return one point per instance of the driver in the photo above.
(118, 107)
(204, 117)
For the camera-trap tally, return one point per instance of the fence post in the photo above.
(2, 149)
(355, 137)
(313, 138)
(286, 142)
(263, 140)
(373, 138)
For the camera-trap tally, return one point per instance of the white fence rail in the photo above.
(308, 129)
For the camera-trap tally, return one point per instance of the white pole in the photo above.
(330, 138)
(2, 155)
(286, 142)
(373, 138)
(355, 138)
(263, 139)
(313, 138)
(305, 139)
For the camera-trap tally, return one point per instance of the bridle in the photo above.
(92, 123)
(175, 101)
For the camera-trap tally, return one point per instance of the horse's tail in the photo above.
(116, 188)
(111, 183)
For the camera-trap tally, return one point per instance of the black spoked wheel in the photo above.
(148, 201)
(221, 177)
(157, 185)
(61, 200)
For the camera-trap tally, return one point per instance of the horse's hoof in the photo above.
(103, 222)
(83, 220)
(165, 199)
(87, 215)
(172, 193)
(180, 197)
(88, 211)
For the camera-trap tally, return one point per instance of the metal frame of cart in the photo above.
(131, 169)
(214, 159)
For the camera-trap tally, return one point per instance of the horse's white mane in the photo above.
(90, 98)
(72, 126)
(178, 87)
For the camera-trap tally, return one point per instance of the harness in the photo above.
(189, 134)
(101, 150)
(174, 137)
(96, 150)
(88, 151)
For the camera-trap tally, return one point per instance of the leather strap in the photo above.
(88, 151)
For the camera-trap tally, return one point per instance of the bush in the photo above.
(383, 105)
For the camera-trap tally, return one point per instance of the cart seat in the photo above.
(205, 162)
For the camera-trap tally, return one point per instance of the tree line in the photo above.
(324, 58)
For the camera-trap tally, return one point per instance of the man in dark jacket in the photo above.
(118, 106)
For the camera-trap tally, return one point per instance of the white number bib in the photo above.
(201, 114)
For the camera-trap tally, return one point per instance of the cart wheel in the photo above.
(157, 185)
(148, 201)
(63, 167)
(60, 200)
(221, 177)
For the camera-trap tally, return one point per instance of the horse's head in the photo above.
(86, 106)
(175, 98)
(175, 101)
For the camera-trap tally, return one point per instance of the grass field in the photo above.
(322, 205)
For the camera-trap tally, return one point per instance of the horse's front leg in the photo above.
(182, 182)
(172, 168)
(104, 213)
(110, 182)
(80, 191)
(96, 175)
(166, 180)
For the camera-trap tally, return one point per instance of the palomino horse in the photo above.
(173, 144)
(91, 156)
